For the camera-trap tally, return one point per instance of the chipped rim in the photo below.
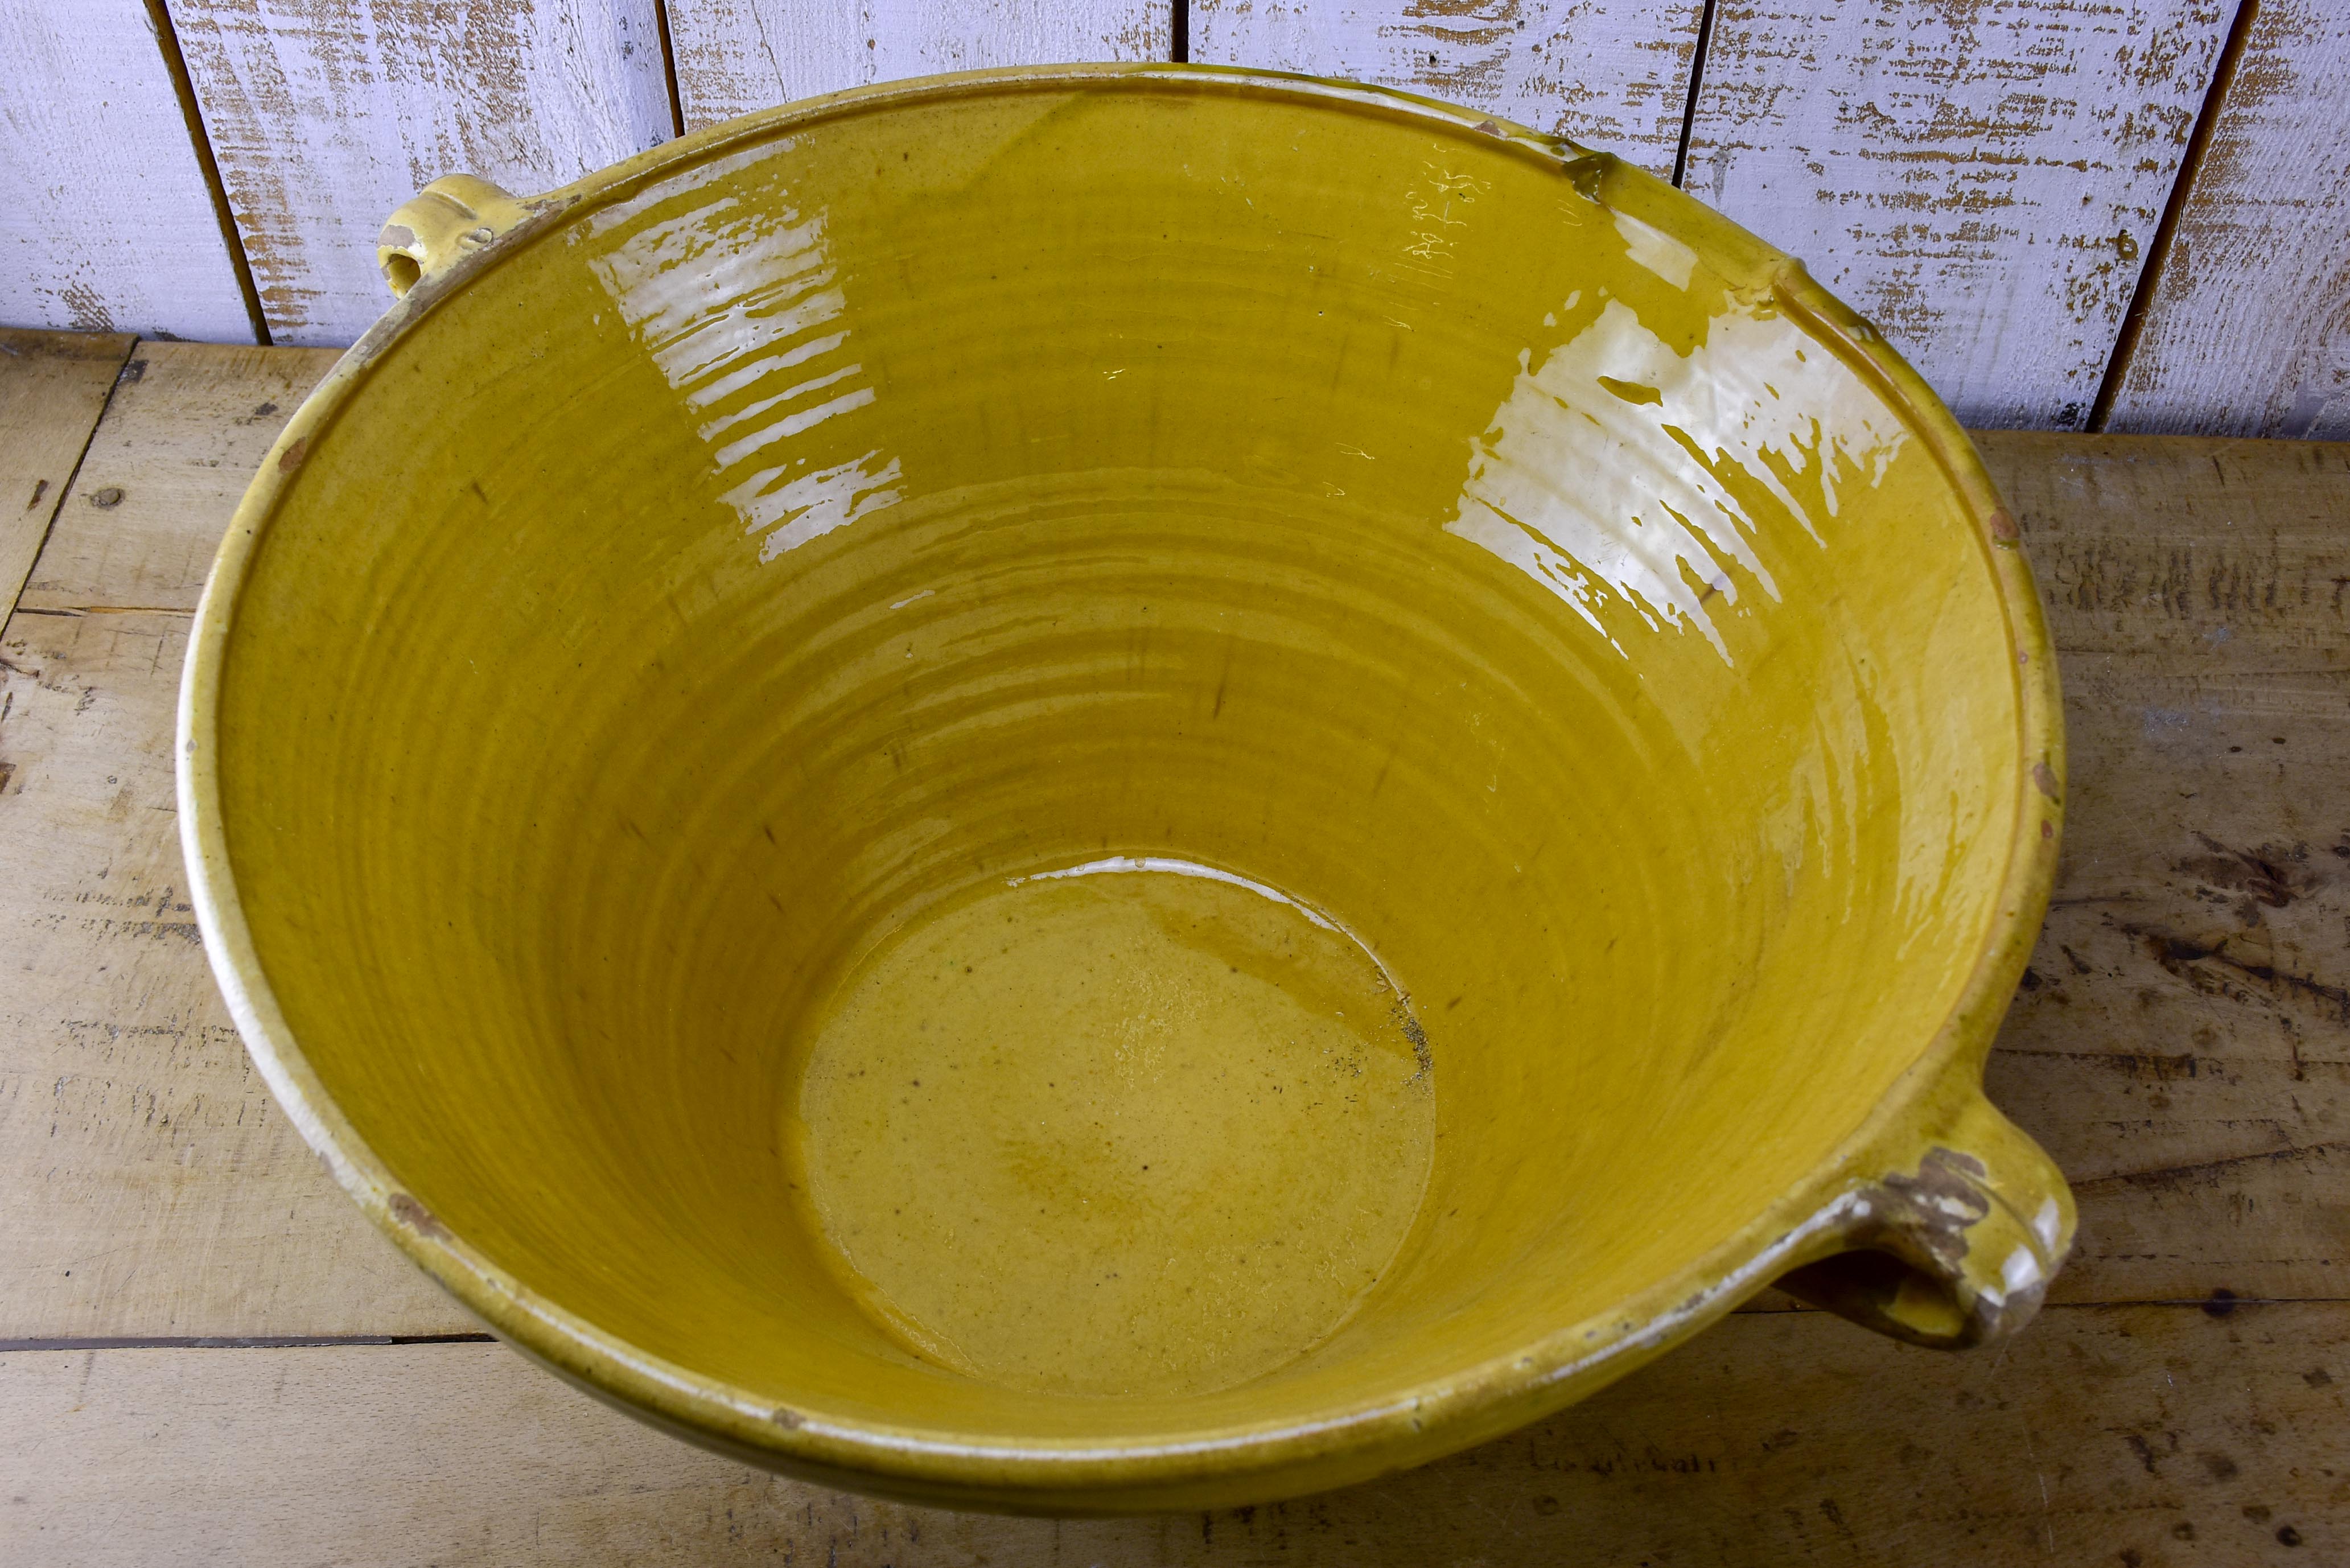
(1234, 1463)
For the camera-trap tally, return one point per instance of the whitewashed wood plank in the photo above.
(2249, 330)
(737, 56)
(105, 222)
(1613, 74)
(1982, 180)
(327, 114)
(2150, 1437)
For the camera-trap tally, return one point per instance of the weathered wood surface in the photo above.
(1614, 73)
(2182, 1042)
(737, 56)
(1981, 179)
(106, 222)
(1986, 180)
(324, 115)
(2140, 1436)
(187, 429)
(2248, 331)
(53, 386)
(2183, 1048)
(148, 1185)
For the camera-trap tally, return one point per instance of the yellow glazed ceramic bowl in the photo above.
(1117, 788)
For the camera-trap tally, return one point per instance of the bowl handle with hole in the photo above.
(1954, 1245)
(450, 219)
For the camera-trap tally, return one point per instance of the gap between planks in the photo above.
(245, 1341)
(12, 581)
(175, 65)
(2166, 233)
(2219, 1306)
(1696, 85)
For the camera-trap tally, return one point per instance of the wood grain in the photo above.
(53, 386)
(737, 56)
(148, 1185)
(2248, 331)
(2182, 1040)
(327, 114)
(1982, 180)
(2142, 1435)
(2183, 1048)
(106, 223)
(188, 426)
(1609, 73)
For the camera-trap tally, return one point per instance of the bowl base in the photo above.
(1136, 1127)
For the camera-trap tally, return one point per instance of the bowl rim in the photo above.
(1248, 1461)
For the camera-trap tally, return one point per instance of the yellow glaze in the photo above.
(1106, 788)
(1087, 1133)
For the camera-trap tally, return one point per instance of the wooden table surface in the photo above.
(206, 1355)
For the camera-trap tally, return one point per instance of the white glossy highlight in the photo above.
(1601, 474)
(1657, 251)
(742, 311)
(814, 505)
(1115, 864)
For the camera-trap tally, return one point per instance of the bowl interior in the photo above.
(1538, 733)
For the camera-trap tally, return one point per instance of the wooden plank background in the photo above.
(1614, 74)
(2249, 330)
(1983, 181)
(2072, 214)
(737, 56)
(324, 115)
(106, 221)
